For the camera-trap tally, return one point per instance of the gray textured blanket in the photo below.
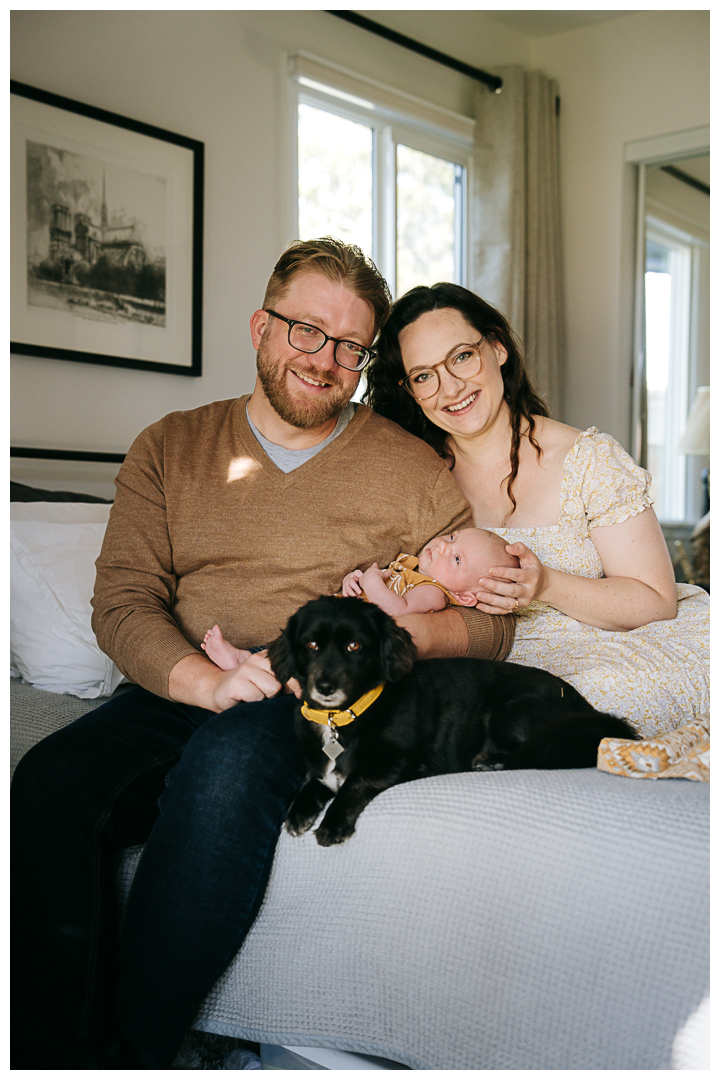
(34, 714)
(521, 920)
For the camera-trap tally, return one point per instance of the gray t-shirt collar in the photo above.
(287, 460)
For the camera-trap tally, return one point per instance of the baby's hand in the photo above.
(352, 583)
(374, 573)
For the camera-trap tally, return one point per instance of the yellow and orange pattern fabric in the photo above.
(681, 754)
(404, 576)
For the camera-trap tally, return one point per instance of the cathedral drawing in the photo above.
(75, 240)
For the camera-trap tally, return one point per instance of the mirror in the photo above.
(671, 351)
(677, 327)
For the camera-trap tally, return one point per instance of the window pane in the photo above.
(667, 311)
(657, 361)
(427, 206)
(334, 177)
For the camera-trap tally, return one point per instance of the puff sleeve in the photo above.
(603, 483)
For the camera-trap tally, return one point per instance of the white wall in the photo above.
(218, 76)
(643, 75)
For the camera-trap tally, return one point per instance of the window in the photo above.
(382, 171)
(667, 314)
(676, 362)
(429, 240)
(672, 343)
(335, 177)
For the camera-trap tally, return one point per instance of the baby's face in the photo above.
(459, 559)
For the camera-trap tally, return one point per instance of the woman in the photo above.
(595, 593)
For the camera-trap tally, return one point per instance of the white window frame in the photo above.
(656, 150)
(395, 117)
(689, 271)
(679, 373)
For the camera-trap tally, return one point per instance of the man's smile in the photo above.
(309, 381)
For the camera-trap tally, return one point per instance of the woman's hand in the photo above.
(638, 587)
(509, 589)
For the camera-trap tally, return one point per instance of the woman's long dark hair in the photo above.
(386, 396)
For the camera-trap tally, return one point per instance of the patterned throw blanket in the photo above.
(681, 754)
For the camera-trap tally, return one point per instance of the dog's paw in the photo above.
(297, 825)
(481, 765)
(326, 837)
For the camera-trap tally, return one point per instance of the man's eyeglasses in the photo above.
(309, 339)
(465, 363)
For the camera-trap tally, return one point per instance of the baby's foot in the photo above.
(221, 652)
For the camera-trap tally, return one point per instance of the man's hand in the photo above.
(195, 680)
(251, 681)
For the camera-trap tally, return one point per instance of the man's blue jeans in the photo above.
(224, 782)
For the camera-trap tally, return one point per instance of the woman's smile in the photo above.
(463, 405)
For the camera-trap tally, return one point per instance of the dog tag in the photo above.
(333, 748)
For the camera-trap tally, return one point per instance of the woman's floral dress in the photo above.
(656, 676)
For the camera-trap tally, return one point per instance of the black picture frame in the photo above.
(124, 292)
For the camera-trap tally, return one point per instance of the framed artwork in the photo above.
(106, 237)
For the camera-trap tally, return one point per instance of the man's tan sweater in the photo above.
(206, 529)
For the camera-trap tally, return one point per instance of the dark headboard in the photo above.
(28, 493)
(64, 455)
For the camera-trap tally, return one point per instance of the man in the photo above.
(235, 513)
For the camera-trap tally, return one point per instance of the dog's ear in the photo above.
(397, 650)
(281, 655)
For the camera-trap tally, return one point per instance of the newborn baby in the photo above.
(446, 571)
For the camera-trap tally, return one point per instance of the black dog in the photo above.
(431, 717)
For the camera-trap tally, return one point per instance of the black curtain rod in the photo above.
(64, 455)
(493, 81)
(686, 178)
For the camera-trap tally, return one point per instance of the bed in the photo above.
(524, 920)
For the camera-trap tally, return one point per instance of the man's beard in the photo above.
(294, 409)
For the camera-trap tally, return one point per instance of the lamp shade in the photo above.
(696, 437)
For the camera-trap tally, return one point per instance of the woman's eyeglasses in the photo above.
(465, 363)
(309, 339)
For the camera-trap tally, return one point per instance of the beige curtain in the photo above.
(515, 245)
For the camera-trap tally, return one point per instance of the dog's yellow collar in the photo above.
(339, 719)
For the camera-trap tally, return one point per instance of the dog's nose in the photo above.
(325, 687)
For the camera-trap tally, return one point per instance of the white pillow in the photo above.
(52, 577)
